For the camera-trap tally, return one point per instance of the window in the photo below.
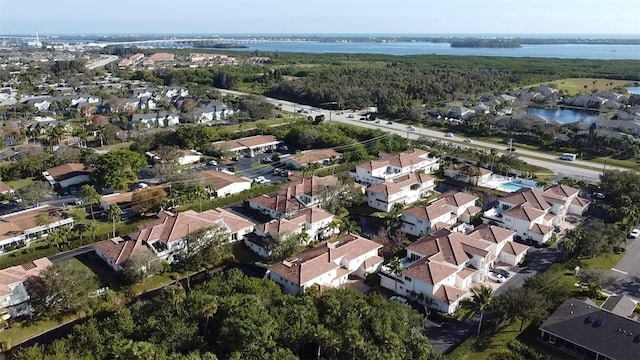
(407, 278)
(552, 339)
(234, 236)
(505, 207)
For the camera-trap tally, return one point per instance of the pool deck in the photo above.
(496, 182)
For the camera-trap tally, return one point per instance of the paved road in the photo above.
(68, 255)
(535, 158)
(105, 59)
(627, 272)
(543, 259)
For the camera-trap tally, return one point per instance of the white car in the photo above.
(634, 234)
(411, 128)
(77, 201)
(261, 180)
(496, 277)
(449, 135)
(467, 140)
(399, 299)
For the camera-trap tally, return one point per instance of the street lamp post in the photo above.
(330, 103)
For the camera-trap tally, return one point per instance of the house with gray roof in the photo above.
(584, 330)
(158, 119)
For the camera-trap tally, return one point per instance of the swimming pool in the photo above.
(511, 187)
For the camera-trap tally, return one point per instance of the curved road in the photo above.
(104, 60)
(548, 161)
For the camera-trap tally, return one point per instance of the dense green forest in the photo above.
(236, 317)
(392, 83)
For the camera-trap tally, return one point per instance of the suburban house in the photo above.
(467, 173)
(41, 103)
(404, 189)
(534, 213)
(295, 196)
(123, 200)
(155, 120)
(131, 60)
(20, 228)
(440, 214)
(328, 265)
(221, 184)
(115, 252)
(444, 265)
(389, 167)
(43, 127)
(460, 112)
(5, 189)
(13, 294)
(189, 157)
(585, 331)
(314, 221)
(306, 158)
(211, 112)
(68, 174)
(251, 145)
(166, 237)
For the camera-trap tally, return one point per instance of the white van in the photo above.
(568, 156)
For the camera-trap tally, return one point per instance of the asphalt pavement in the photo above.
(548, 161)
(627, 272)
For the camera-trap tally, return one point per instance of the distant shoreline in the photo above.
(455, 41)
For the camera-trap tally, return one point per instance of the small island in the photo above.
(485, 43)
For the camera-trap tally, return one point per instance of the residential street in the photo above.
(531, 157)
(627, 272)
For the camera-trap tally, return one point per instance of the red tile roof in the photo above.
(429, 271)
(319, 260)
(17, 274)
(69, 170)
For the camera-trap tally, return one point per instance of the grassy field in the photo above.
(574, 86)
(17, 184)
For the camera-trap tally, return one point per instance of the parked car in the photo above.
(267, 160)
(502, 272)
(634, 234)
(496, 277)
(599, 196)
(261, 180)
(77, 201)
(399, 299)
(212, 163)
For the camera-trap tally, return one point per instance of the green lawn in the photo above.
(24, 331)
(604, 261)
(17, 184)
(495, 344)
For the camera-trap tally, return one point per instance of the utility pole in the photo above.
(330, 103)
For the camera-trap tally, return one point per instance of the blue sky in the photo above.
(320, 16)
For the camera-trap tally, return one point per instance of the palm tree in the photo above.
(59, 235)
(479, 302)
(395, 266)
(81, 228)
(200, 193)
(393, 216)
(349, 227)
(114, 213)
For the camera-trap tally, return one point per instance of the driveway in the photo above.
(445, 336)
(542, 260)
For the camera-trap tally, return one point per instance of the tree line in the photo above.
(236, 317)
